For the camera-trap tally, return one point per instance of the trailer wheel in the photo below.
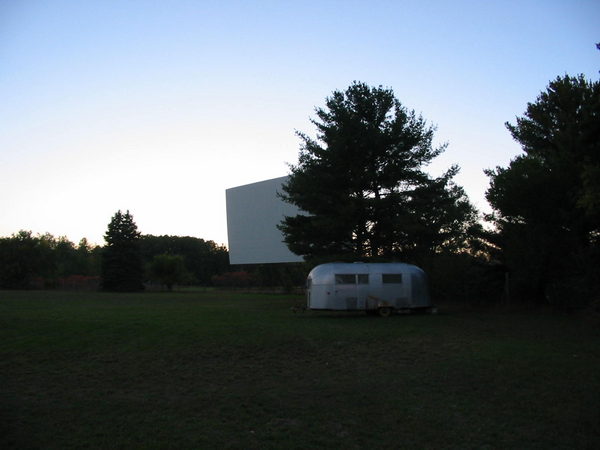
(385, 311)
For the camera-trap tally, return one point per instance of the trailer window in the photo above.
(345, 279)
(391, 278)
(363, 278)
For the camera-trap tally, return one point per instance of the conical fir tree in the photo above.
(121, 256)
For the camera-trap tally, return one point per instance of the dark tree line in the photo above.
(201, 259)
(127, 261)
(362, 184)
(44, 261)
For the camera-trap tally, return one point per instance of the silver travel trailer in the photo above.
(381, 288)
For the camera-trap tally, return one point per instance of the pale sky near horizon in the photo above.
(158, 107)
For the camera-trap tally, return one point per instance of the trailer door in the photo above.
(346, 297)
(362, 290)
(351, 291)
(394, 289)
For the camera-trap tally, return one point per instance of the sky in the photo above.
(158, 107)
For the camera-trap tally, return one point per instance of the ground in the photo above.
(213, 369)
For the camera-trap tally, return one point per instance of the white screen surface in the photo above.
(253, 213)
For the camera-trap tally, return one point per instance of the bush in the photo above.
(168, 270)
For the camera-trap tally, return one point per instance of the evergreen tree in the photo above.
(363, 187)
(121, 257)
(546, 206)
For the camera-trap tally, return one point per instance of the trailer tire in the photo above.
(385, 311)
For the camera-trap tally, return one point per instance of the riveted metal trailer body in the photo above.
(383, 287)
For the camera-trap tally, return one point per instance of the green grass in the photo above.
(209, 369)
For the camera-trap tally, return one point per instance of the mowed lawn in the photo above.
(221, 370)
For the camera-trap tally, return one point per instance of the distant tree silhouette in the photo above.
(22, 257)
(121, 257)
(43, 261)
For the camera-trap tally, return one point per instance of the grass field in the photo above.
(222, 370)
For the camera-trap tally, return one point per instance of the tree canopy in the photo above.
(363, 186)
(28, 261)
(546, 202)
(168, 270)
(202, 259)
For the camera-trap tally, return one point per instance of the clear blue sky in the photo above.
(158, 107)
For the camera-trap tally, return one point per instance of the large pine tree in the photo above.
(547, 201)
(363, 186)
(121, 257)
